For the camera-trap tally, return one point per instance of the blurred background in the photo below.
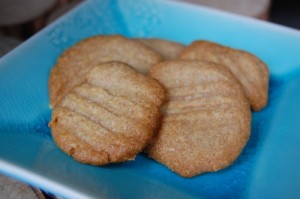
(20, 19)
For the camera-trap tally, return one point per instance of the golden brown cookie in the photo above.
(247, 68)
(167, 49)
(73, 64)
(207, 120)
(110, 117)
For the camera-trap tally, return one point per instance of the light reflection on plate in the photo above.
(27, 151)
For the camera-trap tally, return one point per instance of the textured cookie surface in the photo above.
(108, 118)
(252, 73)
(167, 49)
(207, 120)
(73, 64)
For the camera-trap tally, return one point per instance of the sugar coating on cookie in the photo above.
(252, 73)
(74, 63)
(110, 117)
(167, 49)
(206, 121)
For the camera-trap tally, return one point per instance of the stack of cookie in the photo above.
(188, 107)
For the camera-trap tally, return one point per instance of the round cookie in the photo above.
(110, 117)
(74, 63)
(252, 73)
(207, 120)
(167, 49)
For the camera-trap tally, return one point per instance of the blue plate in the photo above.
(269, 164)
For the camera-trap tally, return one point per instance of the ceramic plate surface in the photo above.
(268, 166)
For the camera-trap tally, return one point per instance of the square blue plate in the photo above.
(269, 164)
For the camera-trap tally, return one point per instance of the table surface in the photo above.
(282, 12)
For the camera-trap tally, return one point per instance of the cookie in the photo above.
(252, 73)
(110, 117)
(206, 121)
(167, 49)
(74, 63)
